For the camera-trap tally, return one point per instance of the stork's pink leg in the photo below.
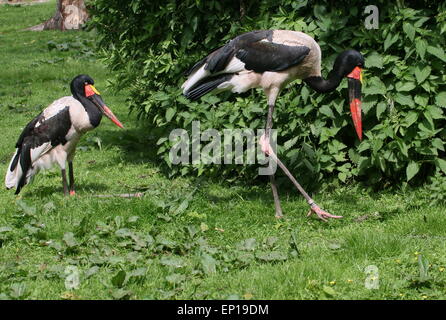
(266, 148)
(314, 208)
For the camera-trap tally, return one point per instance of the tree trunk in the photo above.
(70, 14)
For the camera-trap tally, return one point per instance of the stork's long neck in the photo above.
(334, 77)
(94, 114)
(325, 85)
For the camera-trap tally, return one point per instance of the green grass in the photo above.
(222, 242)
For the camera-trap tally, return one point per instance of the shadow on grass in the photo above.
(46, 191)
(136, 144)
(139, 146)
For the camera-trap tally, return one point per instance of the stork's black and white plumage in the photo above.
(270, 59)
(52, 136)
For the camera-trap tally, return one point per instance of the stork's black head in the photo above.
(78, 84)
(82, 88)
(347, 61)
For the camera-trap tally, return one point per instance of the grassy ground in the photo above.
(184, 239)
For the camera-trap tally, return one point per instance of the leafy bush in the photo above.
(149, 44)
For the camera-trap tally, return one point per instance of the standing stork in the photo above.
(52, 136)
(270, 59)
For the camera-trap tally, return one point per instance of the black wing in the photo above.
(258, 53)
(269, 56)
(219, 59)
(200, 63)
(50, 131)
(29, 129)
(25, 133)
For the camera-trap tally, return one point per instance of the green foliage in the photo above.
(437, 188)
(150, 45)
(104, 236)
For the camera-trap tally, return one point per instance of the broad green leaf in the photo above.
(374, 60)
(438, 144)
(390, 40)
(410, 118)
(209, 264)
(121, 294)
(437, 52)
(440, 99)
(354, 156)
(172, 261)
(364, 163)
(422, 74)
(421, 47)
(422, 99)
(161, 96)
(308, 150)
(182, 207)
(287, 145)
(421, 21)
(91, 271)
(161, 140)
(380, 108)
(375, 86)
(405, 86)
(169, 114)
(69, 239)
(435, 112)
(29, 210)
(309, 165)
(327, 111)
(175, 278)
(334, 246)
(329, 290)
(411, 170)
(247, 244)
(403, 148)
(441, 163)
(409, 30)
(271, 256)
(342, 176)
(404, 99)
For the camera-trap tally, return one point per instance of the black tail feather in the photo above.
(206, 86)
(25, 163)
(16, 160)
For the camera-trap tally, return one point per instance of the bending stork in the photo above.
(270, 59)
(52, 136)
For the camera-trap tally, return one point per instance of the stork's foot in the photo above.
(265, 146)
(279, 213)
(323, 215)
(72, 193)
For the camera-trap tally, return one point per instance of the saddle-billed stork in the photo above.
(52, 136)
(270, 59)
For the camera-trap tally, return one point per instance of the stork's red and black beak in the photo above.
(93, 94)
(354, 93)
